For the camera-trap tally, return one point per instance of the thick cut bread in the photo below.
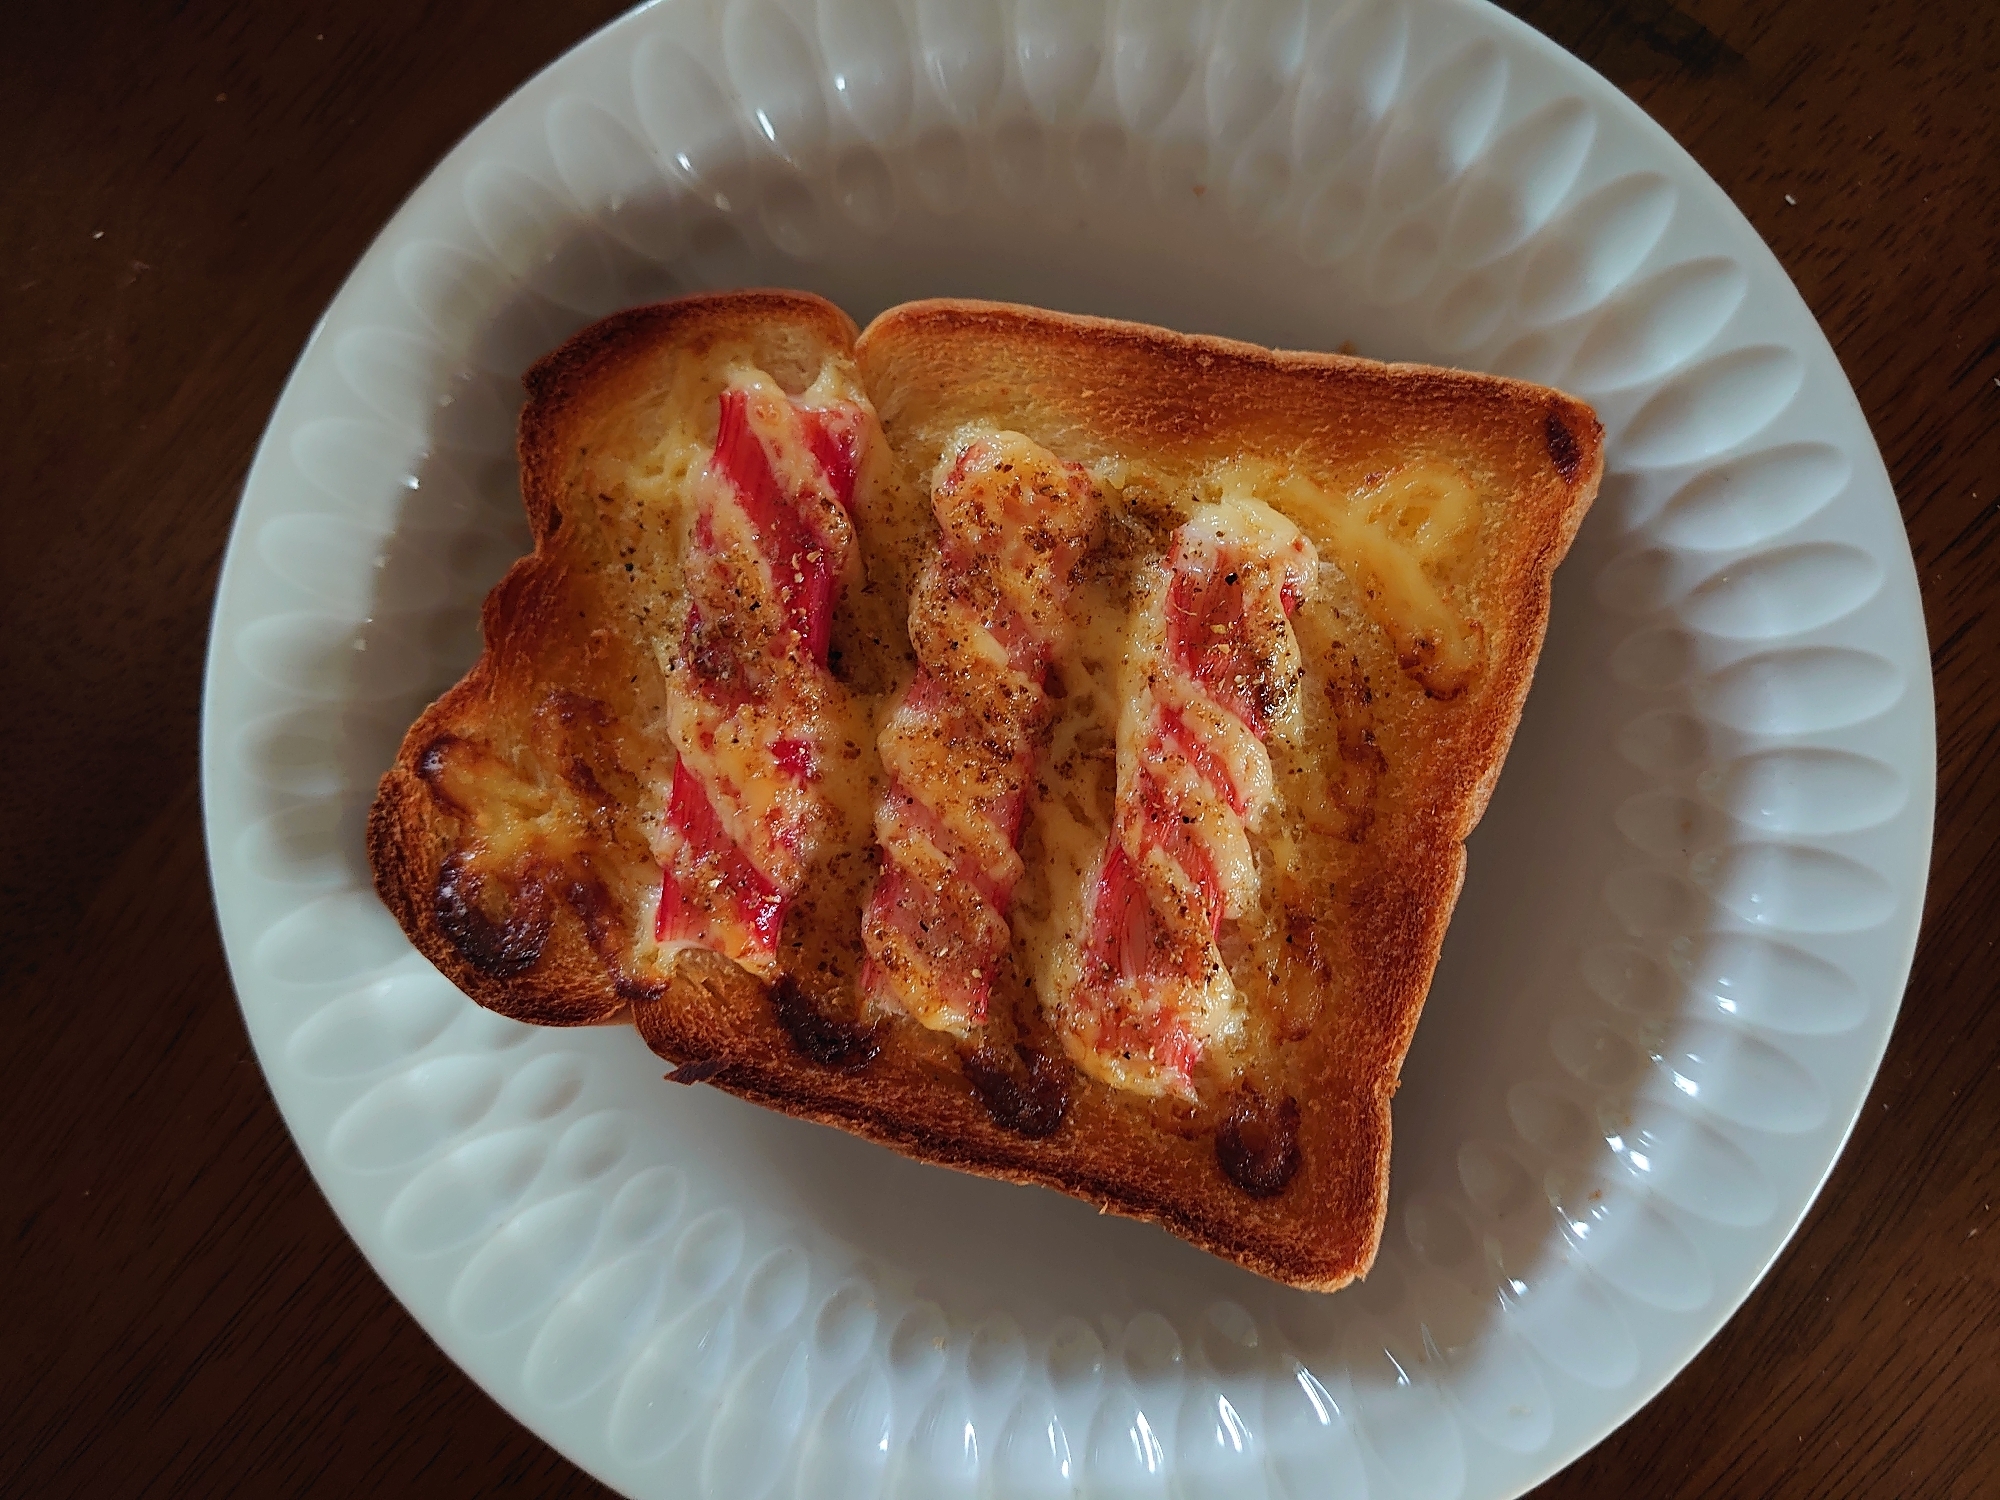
(883, 825)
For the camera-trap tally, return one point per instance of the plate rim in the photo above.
(1918, 688)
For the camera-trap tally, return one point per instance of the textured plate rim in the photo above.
(1601, 93)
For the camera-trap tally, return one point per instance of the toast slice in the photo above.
(1042, 744)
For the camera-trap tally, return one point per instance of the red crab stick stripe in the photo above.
(1177, 735)
(986, 617)
(1192, 774)
(712, 864)
(1128, 937)
(801, 559)
(746, 703)
(937, 919)
(1214, 629)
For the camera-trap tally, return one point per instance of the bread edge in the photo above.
(407, 839)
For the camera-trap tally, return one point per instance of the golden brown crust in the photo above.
(1088, 389)
(531, 642)
(1086, 386)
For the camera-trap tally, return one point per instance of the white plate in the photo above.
(1691, 908)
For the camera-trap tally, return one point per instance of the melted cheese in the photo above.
(1398, 536)
(734, 752)
(737, 750)
(1013, 521)
(1122, 677)
(1072, 816)
(1402, 538)
(515, 819)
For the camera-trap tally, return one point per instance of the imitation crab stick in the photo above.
(770, 545)
(1216, 674)
(987, 616)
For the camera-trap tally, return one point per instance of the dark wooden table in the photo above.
(185, 186)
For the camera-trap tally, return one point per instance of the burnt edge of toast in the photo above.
(539, 964)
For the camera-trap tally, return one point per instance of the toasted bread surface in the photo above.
(516, 838)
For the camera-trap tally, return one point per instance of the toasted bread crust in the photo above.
(1087, 388)
(529, 640)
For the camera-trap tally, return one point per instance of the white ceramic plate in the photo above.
(1691, 907)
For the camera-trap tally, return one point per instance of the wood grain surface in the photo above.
(186, 185)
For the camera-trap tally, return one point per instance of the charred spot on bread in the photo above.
(636, 991)
(1357, 746)
(569, 708)
(840, 1045)
(595, 908)
(1257, 1143)
(502, 948)
(1564, 450)
(1302, 936)
(1027, 1093)
(431, 768)
(583, 780)
(697, 1073)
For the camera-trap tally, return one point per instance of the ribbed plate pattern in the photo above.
(1691, 907)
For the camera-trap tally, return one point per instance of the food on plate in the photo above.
(1042, 744)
